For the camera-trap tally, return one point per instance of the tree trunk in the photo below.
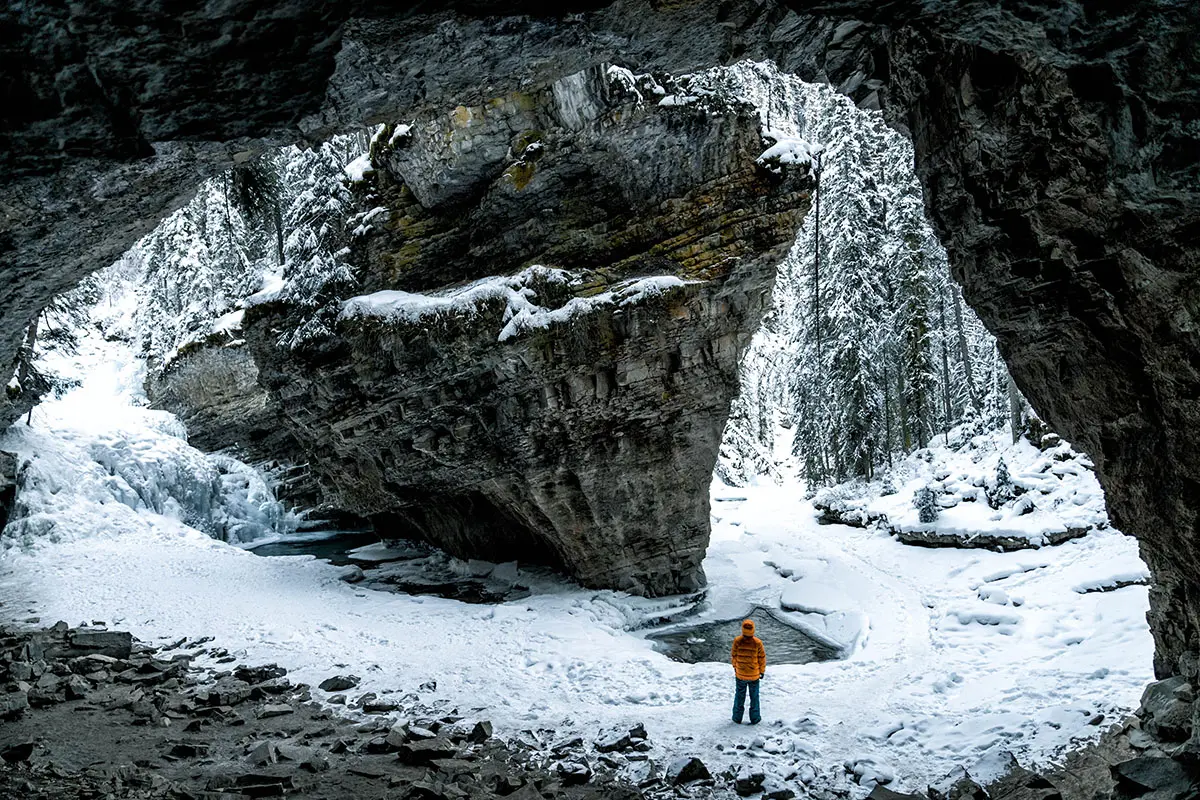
(946, 371)
(277, 214)
(25, 360)
(887, 416)
(1014, 409)
(816, 286)
(964, 351)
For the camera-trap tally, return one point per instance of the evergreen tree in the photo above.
(876, 349)
(925, 502)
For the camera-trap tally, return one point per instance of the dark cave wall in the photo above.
(1062, 186)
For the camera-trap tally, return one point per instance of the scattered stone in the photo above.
(749, 780)
(418, 732)
(687, 769)
(339, 683)
(77, 688)
(563, 745)
(253, 785)
(480, 733)
(1166, 709)
(353, 574)
(188, 750)
(380, 745)
(275, 710)
(645, 773)
(317, 762)
(428, 686)
(1152, 773)
(13, 704)
(253, 675)
(574, 773)
(613, 742)
(884, 793)
(294, 752)
(270, 688)
(262, 754)
(366, 771)
(422, 752)
(380, 707)
(117, 644)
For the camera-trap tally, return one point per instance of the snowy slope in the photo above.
(986, 490)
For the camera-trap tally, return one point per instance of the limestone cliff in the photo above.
(569, 414)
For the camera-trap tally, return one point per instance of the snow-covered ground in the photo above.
(957, 654)
(982, 488)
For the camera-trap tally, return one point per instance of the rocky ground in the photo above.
(92, 713)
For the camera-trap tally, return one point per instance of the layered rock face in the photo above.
(570, 414)
(215, 392)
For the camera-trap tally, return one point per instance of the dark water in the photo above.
(334, 549)
(711, 641)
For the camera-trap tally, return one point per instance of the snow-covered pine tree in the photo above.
(925, 502)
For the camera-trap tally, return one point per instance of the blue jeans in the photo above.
(739, 701)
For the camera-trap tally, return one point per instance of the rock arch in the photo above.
(1058, 145)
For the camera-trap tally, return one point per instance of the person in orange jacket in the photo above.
(749, 666)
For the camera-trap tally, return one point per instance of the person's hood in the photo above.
(748, 627)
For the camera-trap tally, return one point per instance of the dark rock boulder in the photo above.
(1166, 777)
(1167, 708)
(687, 769)
(586, 439)
(8, 486)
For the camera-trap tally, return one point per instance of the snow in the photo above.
(938, 674)
(273, 287)
(1056, 490)
(96, 464)
(672, 100)
(788, 150)
(517, 292)
(358, 169)
(228, 323)
(398, 133)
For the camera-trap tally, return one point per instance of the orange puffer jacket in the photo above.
(749, 655)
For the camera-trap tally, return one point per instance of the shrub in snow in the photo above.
(1002, 490)
(925, 502)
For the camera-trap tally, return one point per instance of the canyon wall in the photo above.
(1056, 141)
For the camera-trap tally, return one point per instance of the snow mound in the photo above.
(987, 493)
